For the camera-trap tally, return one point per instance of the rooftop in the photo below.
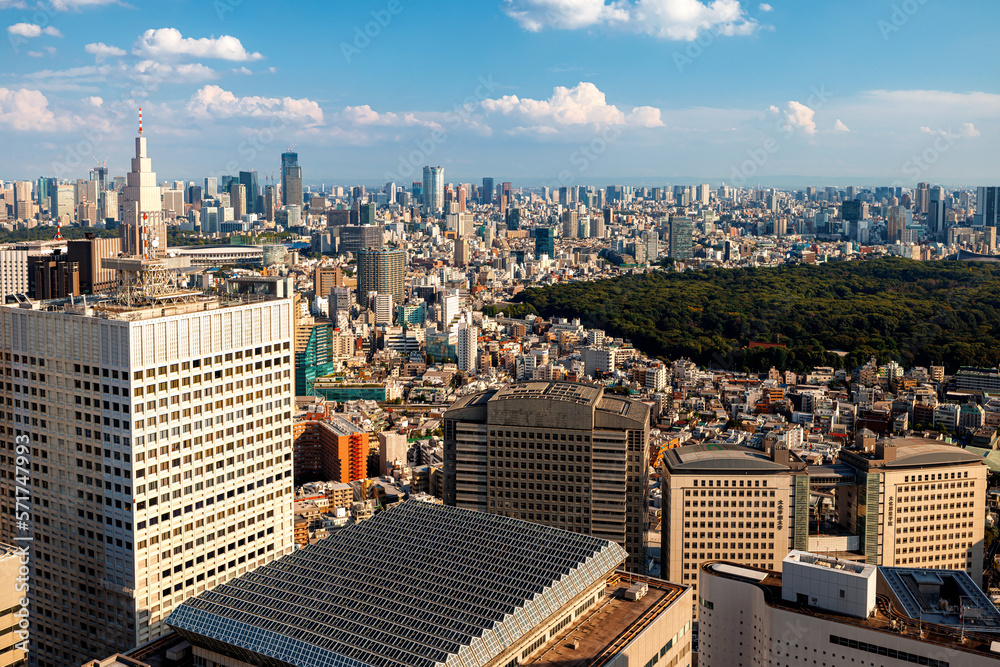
(891, 616)
(416, 586)
(719, 457)
(613, 622)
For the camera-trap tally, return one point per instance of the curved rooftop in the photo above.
(719, 458)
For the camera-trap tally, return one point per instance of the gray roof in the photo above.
(419, 585)
(719, 457)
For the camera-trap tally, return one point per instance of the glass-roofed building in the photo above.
(425, 585)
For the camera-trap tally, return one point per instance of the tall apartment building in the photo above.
(828, 611)
(382, 271)
(161, 460)
(733, 503)
(557, 453)
(331, 449)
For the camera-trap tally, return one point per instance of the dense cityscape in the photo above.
(262, 418)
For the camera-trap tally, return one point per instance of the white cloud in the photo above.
(645, 117)
(27, 110)
(13, 4)
(579, 105)
(153, 71)
(165, 43)
(764, 7)
(666, 19)
(30, 30)
(94, 101)
(800, 116)
(537, 15)
(214, 102)
(365, 115)
(67, 5)
(968, 130)
(840, 127)
(101, 50)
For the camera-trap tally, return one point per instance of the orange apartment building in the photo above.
(331, 449)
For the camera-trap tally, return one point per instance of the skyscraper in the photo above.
(249, 181)
(895, 223)
(211, 186)
(238, 199)
(987, 207)
(433, 191)
(382, 271)
(681, 246)
(936, 211)
(161, 450)
(585, 456)
(143, 230)
(486, 195)
(545, 242)
(291, 179)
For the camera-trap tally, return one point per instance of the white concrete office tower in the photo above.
(390, 192)
(143, 230)
(13, 272)
(161, 458)
(828, 611)
(433, 191)
(382, 305)
(468, 347)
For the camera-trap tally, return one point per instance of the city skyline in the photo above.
(578, 92)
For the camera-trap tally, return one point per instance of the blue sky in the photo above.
(532, 91)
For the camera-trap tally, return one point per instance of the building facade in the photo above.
(161, 453)
(557, 453)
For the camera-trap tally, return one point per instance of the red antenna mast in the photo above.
(140, 120)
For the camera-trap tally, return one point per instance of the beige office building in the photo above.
(558, 453)
(726, 502)
(161, 460)
(902, 502)
(929, 502)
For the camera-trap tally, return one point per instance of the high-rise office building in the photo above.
(382, 271)
(727, 502)
(291, 179)
(433, 191)
(161, 457)
(987, 207)
(211, 186)
(355, 238)
(545, 242)
(143, 230)
(681, 230)
(249, 181)
(584, 456)
(487, 193)
(238, 200)
(936, 211)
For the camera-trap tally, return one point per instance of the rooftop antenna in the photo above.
(140, 120)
